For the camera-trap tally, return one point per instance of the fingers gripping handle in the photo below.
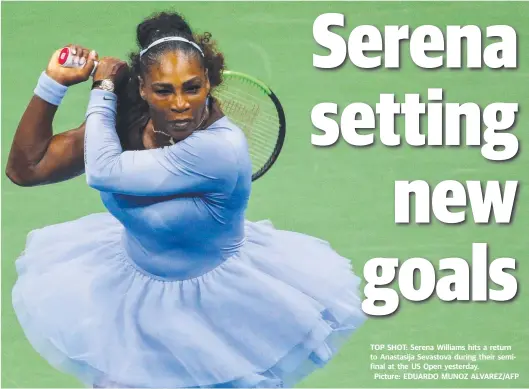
(68, 60)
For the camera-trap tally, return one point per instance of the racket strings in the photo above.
(242, 112)
(241, 96)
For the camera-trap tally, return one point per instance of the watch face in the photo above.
(107, 85)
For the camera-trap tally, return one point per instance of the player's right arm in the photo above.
(37, 156)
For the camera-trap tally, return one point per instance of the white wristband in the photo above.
(50, 90)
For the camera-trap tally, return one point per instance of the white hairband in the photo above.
(171, 38)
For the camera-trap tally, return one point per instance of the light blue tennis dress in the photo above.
(173, 287)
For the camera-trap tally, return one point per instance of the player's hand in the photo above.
(113, 69)
(75, 75)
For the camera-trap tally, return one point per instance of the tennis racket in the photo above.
(251, 105)
(255, 108)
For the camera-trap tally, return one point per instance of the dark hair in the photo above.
(133, 111)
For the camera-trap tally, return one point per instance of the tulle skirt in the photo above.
(266, 317)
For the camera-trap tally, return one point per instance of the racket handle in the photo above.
(68, 60)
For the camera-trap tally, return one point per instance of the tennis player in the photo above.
(172, 287)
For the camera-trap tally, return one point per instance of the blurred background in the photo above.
(341, 194)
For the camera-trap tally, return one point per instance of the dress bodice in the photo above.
(182, 231)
